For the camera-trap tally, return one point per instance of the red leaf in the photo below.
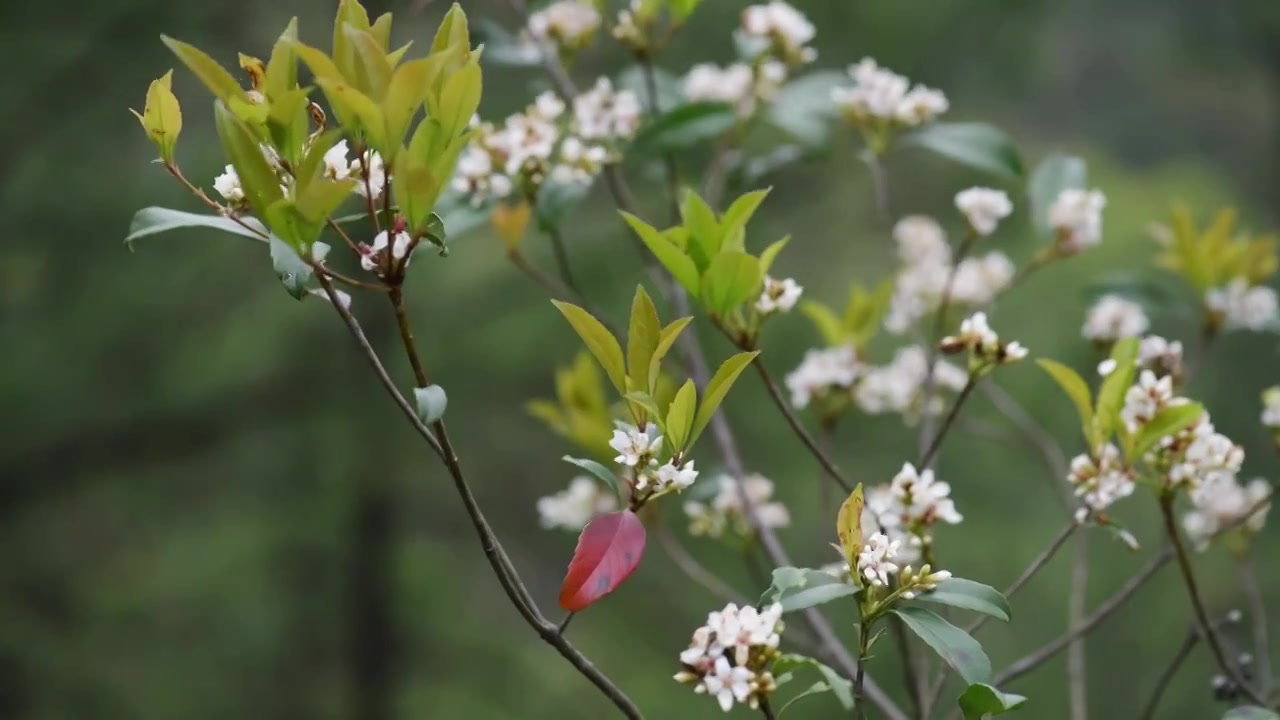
(609, 550)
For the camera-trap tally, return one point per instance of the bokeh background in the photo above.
(208, 509)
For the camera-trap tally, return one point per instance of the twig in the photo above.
(1258, 619)
(1166, 677)
(927, 457)
(1036, 564)
(939, 327)
(508, 578)
(1197, 603)
(797, 427)
(564, 624)
(910, 675)
(695, 570)
(561, 251)
(880, 183)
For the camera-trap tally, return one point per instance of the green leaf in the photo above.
(460, 98)
(373, 72)
(350, 12)
(282, 66)
(829, 326)
(161, 116)
(292, 271)
(453, 30)
(980, 700)
(682, 9)
(319, 199)
(849, 527)
(1169, 421)
(1111, 395)
(672, 257)
(704, 229)
(357, 112)
(1077, 390)
(977, 145)
(839, 685)
(803, 109)
(155, 220)
(642, 339)
(1054, 174)
(602, 344)
(680, 416)
(686, 126)
(666, 339)
(735, 219)
(259, 180)
(432, 402)
(405, 94)
(717, 388)
(952, 644)
(802, 588)
(288, 125)
(215, 77)
(969, 595)
(732, 279)
(645, 407)
(1250, 712)
(771, 253)
(600, 472)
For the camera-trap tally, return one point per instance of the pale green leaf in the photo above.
(732, 279)
(600, 472)
(672, 258)
(642, 339)
(1077, 390)
(602, 344)
(717, 388)
(1111, 395)
(666, 339)
(215, 77)
(801, 588)
(680, 416)
(154, 220)
(1169, 421)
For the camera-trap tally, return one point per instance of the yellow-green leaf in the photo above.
(717, 388)
(829, 326)
(405, 93)
(732, 279)
(350, 12)
(680, 416)
(319, 199)
(453, 31)
(287, 123)
(849, 528)
(666, 339)
(642, 339)
(161, 117)
(602, 344)
(771, 253)
(460, 98)
(357, 113)
(373, 72)
(704, 230)
(214, 76)
(282, 66)
(261, 186)
(735, 219)
(672, 257)
(381, 31)
(644, 407)
(1111, 394)
(1169, 421)
(1077, 390)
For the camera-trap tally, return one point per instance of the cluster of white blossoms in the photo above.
(782, 29)
(1076, 219)
(823, 372)
(1101, 481)
(573, 507)
(880, 95)
(982, 343)
(778, 296)
(984, 208)
(569, 25)
(898, 387)
(730, 656)
(907, 508)
(639, 449)
(741, 85)
(1155, 353)
(371, 183)
(1240, 306)
(400, 249)
(1114, 317)
(876, 559)
(1224, 503)
(726, 511)
(922, 282)
(547, 143)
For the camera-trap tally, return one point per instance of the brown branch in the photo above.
(939, 327)
(932, 451)
(797, 426)
(1166, 677)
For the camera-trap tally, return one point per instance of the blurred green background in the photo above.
(208, 509)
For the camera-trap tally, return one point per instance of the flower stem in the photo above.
(859, 704)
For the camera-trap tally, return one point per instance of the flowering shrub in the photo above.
(399, 142)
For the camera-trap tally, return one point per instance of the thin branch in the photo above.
(493, 550)
(1197, 602)
(880, 183)
(927, 457)
(695, 570)
(561, 251)
(1166, 677)
(797, 427)
(1036, 564)
(1258, 619)
(911, 677)
(939, 327)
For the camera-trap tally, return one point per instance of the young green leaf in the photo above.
(952, 644)
(600, 472)
(714, 393)
(453, 31)
(771, 253)
(154, 220)
(1077, 390)
(282, 66)
(977, 145)
(161, 117)
(215, 77)
(672, 258)
(644, 406)
(373, 72)
(700, 220)
(800, 589)
(839, 685)
(829, 326)
(980, 700)
(642, 339)
(432, 402)
(1054, 174)
(1111, 395)
(849, 526)
(735, 219)
(460, 98)
(969, 595)
(732, 279)
(602, 344)
(666, 339)
(357, 112)
(406, 92)
(261, 186)
(680, 416)
(1169, 421)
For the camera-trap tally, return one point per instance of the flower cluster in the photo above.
(823, 373)
(880, 96)
(547, 143)
(1155, 353)
(876, 565)
(726, 510)
(639, 450)
(1241, 306)
(984, 208)
(778, 296)
(1114, 317)
(729, 658)
(1222, 503)
(741, 85)
(907, 508)
(1101, 479)
(368, 170)
(898, 387)
(783, 31)
(982, 343)
(927, 269)
(573, 507)
(1076, 219)
(569, 25)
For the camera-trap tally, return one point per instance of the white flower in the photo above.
(727, 684)
(1076, 217)
(983, 344)
(1146, 398)
(875, 559)
(726, 509)
(734, 84)
(899, 386)
(786, 29)
(228, 186)
(1208, 456)
(921, 105)
(373, 180)
(573, 507)
(921, 240)
(979, 280)
(548, 106)
(923, 499)
(821, 372)
(569, 24)
(1223, 503)
(667, 477)
(636, 447)
(984, 208)
(881, 94)
(1113, 317)
(778, 296)
(1271, 408)
(1243, 307)
(728, 658)
(336, 165)
(606, 115)
(1155, 354)
(381, 242)
(1101, 483)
